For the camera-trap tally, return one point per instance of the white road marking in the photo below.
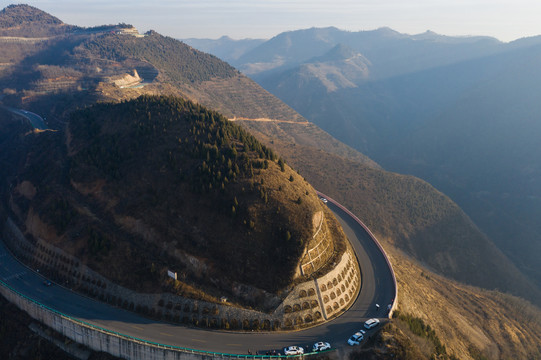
(17, 275)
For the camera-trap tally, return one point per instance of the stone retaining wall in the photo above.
(308, 303)
(323, 298)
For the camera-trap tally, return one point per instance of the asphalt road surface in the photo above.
(36, 120)
(377, 288)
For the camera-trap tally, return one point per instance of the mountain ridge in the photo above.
(381, 46)
(415, 122)
(17, 15)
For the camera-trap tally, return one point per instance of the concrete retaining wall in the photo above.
(102, 340)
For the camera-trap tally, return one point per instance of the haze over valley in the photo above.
(459, 112)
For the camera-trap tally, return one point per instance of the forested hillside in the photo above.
(178, 62)
(154, 182)
(28, 21)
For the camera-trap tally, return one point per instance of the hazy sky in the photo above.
(504, 19)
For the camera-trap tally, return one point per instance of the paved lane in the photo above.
(35, 120)
(377, 287)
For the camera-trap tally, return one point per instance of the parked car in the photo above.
(370, 323)
(356, 338)
(293, 350)
(320, 346)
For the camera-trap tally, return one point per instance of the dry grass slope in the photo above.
(407, 211)
(417, 223)
(500, 326)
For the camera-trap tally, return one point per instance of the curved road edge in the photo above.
(337, 330)
(373, 237)
(34, 119)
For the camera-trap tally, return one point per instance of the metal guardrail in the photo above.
(373, 237)
(147, 342)
(203, 352)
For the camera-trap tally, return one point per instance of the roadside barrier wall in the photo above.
(116, 344)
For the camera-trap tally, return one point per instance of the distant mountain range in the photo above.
(225, 48)
(460, 112)
(391, 52)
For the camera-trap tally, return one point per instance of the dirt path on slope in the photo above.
(269, 120)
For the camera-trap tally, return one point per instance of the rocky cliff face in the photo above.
(126, 80)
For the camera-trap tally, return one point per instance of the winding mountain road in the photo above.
(34, 119)
(378, 287)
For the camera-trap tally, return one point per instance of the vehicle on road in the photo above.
(370, 323)
(47, 283)
(356, 338)
(293, 350)
(324, 200)
(320, 346)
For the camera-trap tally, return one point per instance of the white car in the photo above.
(324, 200)
(356, 338)
(320, 346)
(293, 350)
(370, 323)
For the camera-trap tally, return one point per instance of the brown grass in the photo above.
(500, 325)
(409, 212)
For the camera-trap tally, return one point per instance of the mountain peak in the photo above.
(18, 15)
(430, 35)
(387, 31)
